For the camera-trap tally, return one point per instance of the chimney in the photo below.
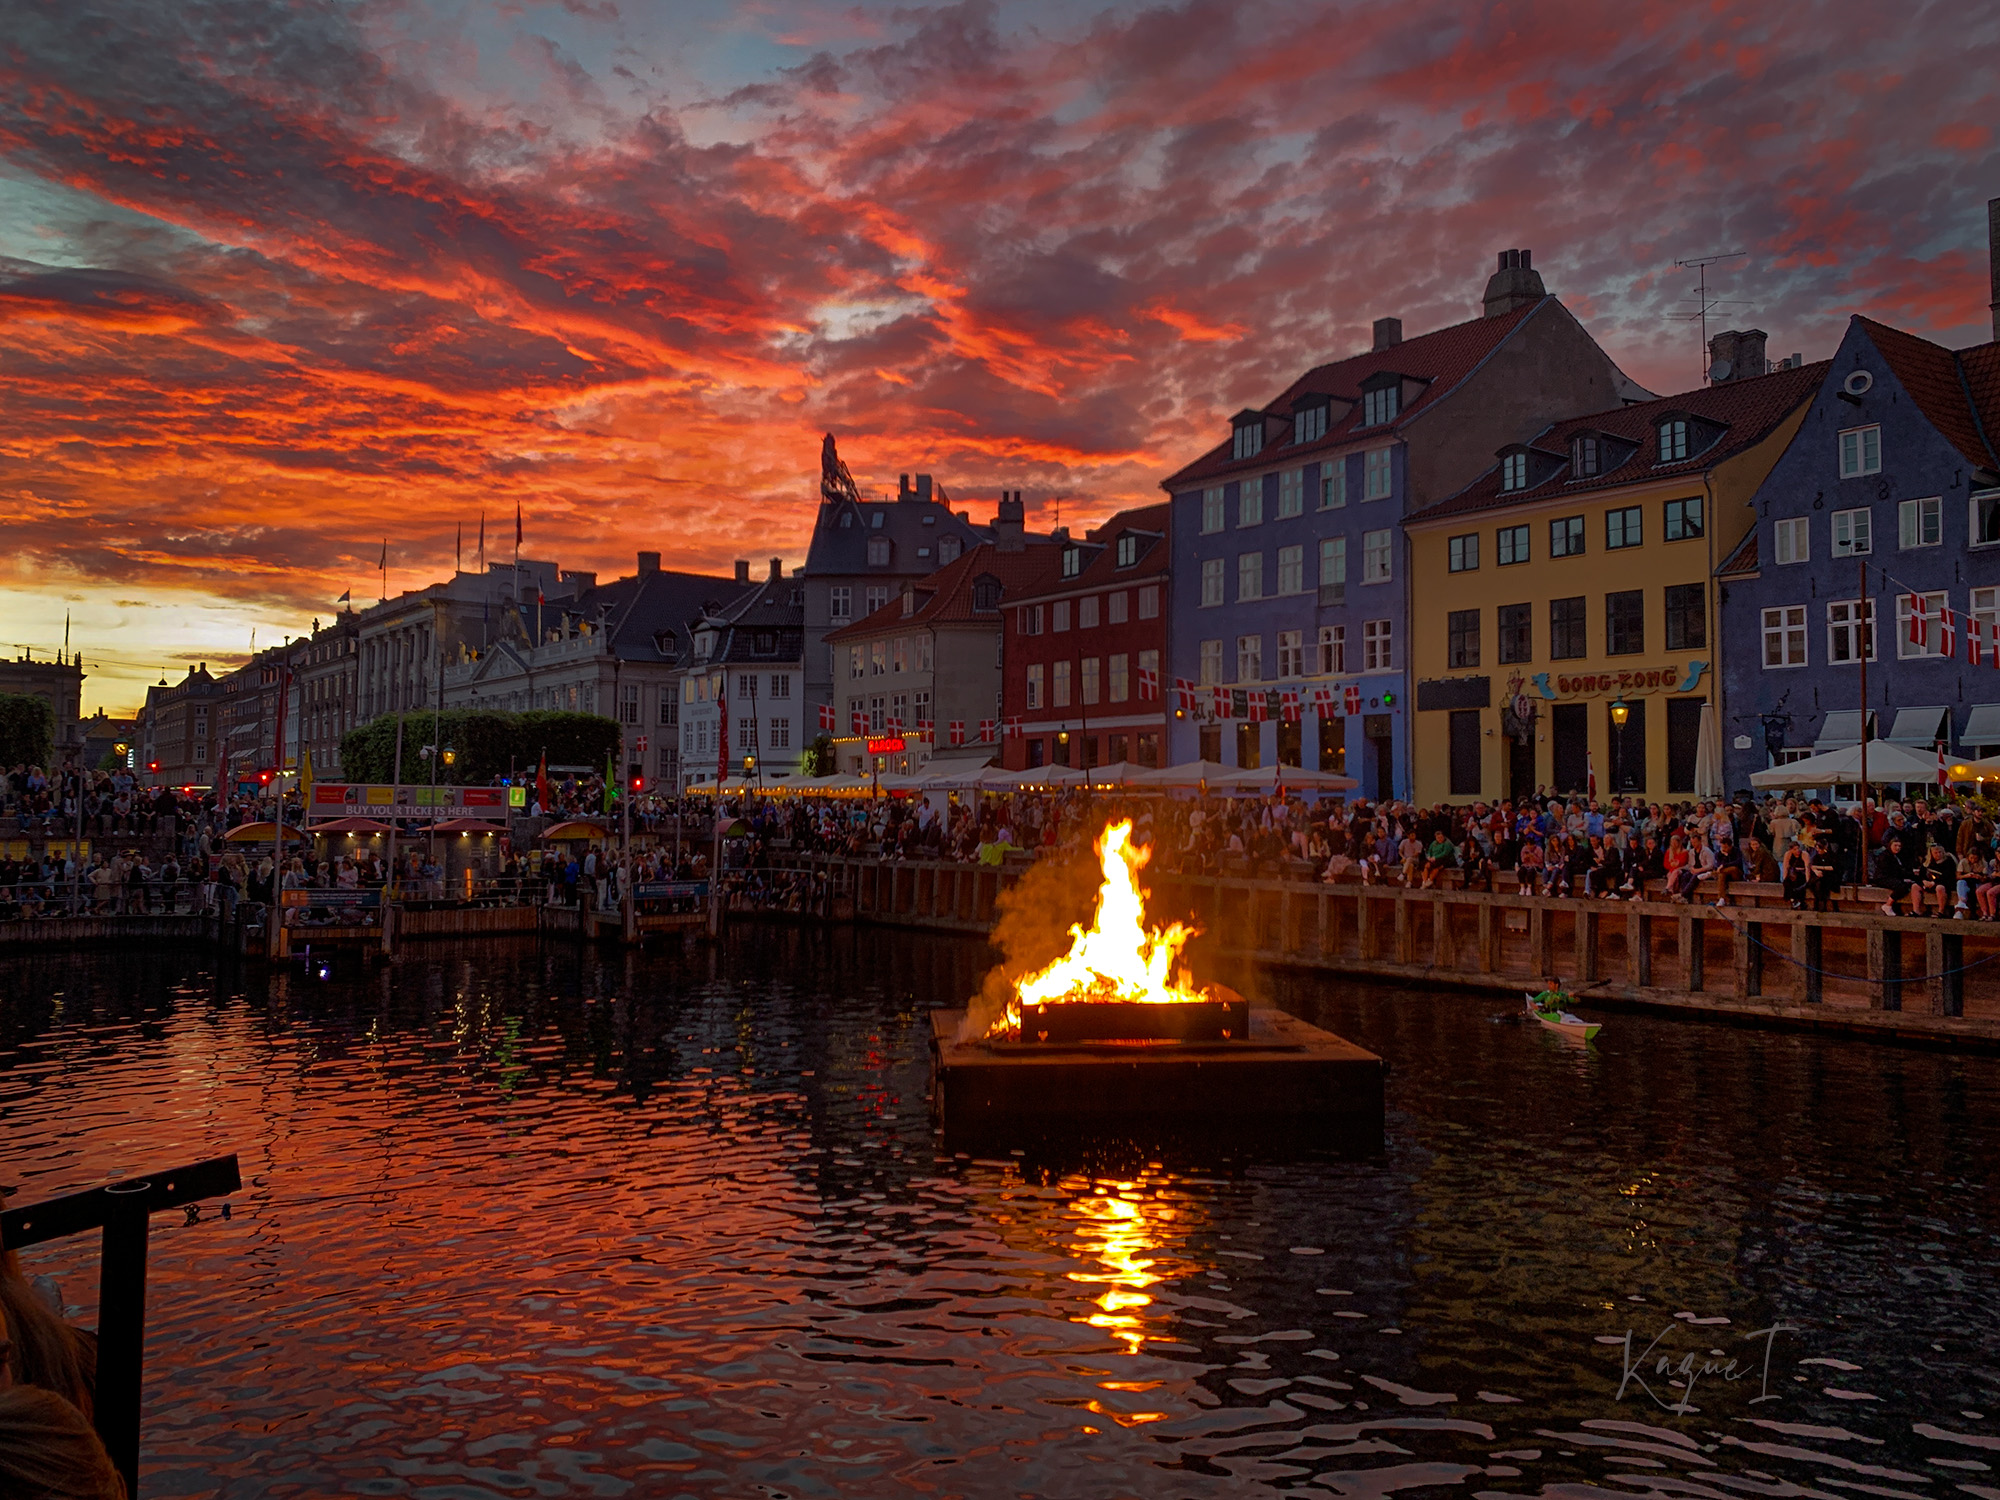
(923, 489)
(1737, 354)
(649, 562)
(742, 570)
(1516, 284)
(1993, 258)
(1388, 333)
(902, 486)
(1009, 523)
(777, 568)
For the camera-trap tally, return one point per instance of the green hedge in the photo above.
(27, 731)
(488, 744)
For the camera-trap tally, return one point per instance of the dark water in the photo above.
(546, 1222)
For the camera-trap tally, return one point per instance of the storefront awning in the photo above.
(1921, 726)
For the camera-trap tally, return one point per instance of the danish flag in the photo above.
(1222, 704)
(1184, 686)
(1947, 631)
(1149, 682)
(1920, 625)
(986, 728)
(858, 723)
(1259, 706)
(1353, 699)
(895, 723)
(826, 719)
(958, 731)
(1289, 706)
(1014, 728)
(927, 729)
(1322, 694)
(1973, 631)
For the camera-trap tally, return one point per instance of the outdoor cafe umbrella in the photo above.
(349, 825)
(260, 833)
(575, 828)
(1973, 770)
(465, 825)
(1193, 773)
(1886, 762)
(1708, 756)
(1270, 778)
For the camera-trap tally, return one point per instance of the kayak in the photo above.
(1564, 1023)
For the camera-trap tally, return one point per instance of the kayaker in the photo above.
(1553, 998)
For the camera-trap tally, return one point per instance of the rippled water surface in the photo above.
(546, 1221)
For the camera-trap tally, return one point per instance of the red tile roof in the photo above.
(1102, 571)
(1747, 410)
(1932, 375)
(946, 595)
(1744, 559)
(1443, 358)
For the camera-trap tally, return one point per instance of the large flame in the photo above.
(1117, 957)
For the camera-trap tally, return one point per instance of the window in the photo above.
(1375, 644)
(842, 607)
(1292, 570)
(1249, 440)
(1850, 533)
(1985, 614)
(1684, 519)
(781, 685)
(1933, 641)
(1516, 629)
(1116, 606)
(1309, 426)
(924, 644)
(1091, 675)
(986, 594)
(1333, 484)
(1513, 545)
(1211, 508)
(1250, 575)
(1149, 602)
(1250, 658)
(780, 733)
(1623, 527)
(878, 658)
(1291, 492)
(1375, 555)
(1211, 663)
(877, 519)
(1850, 630)
(1379, 405)
(1673, 440)
(1072, 561)
(1687, 616)
(1059, 616)
(1211, 582)
(949, 548)
(1250, 503)
(1985, 516)
(1060, 682)
(1566, 629)
(1149, 661)
(1920, 523)
(1378, 480)
(1790, 541)
(1463, 552)
(1584, 458)
(1332, 560)
(1086, 612)
(1625, 622)
(628, 703)
(1332, 650)
(1128, 550)
(1291, 653)
(746, 684)
(1860, 452)
(1514, 471)
(1462, 638)
(1030, 616)
(877, 716)
(877, 597)
(1121, 678)
(670, 707)
(746, 734)
(899, 654)
(1785, 636)
(878, 552)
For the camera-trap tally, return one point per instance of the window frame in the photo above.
(1625, 622)
(1214, 582)
(1785, 632)
(1866, 546)
(1378, 645)
(1250, 657)
(1461, 628)
(1291, 493)
(1249, 569)
(1686, 533)
(1627, 524)
(1517, 536)
(1567, 536)
(1691, 610)
(1859, 617)
(1378, 547)
(1462, 553)
(1915, 509)
(1333, 484)
(1292, 569)
(1378, 463)
(1513, 472)
(1935, 600)
(1796, 530)
(1248, 514)
(1576, 605)
(1674, 438)
(1989, 500)
(1514, 628)
(1213, 509)
(1855, 460)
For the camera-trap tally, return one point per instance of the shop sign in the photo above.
(1663, 679)
(893, 745)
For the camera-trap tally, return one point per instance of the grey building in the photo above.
(743, 705)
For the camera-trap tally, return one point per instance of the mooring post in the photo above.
(1405, 939)
(1692, 943)
(1442, 951)
(1749, 960)
(1488, 948)
(1364, 925)
(1808, 943)
(1944, 982)
(1639, 947)
(1885, 969)
(1541, 942)
(1586, 945)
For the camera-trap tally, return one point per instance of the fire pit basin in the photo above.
(1132, 1020)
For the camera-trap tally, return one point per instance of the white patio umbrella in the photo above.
(997, 780)
(1192, 774)
(1886, 762)
(1708, 756)
(1298, 778)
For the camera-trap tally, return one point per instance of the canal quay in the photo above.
(528, 1217)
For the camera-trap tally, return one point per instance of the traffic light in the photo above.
(263, 778)
(638, 783)
(152, 765)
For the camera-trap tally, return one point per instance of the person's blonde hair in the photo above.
(47, 1351)
(47, 1448)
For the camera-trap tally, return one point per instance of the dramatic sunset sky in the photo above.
(281, 277)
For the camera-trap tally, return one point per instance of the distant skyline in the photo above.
(277, 281)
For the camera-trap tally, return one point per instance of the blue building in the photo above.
(1886, 504)
(1289, 615)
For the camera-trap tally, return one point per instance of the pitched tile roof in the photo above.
(1932, 375)
(1443, 358)
(1743, 558)
(1746, 410)
(839, 550)
(1102, 570)
(946, 595)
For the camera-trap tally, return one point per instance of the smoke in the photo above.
(1032, 921)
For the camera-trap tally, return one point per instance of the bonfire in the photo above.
(1118, 958)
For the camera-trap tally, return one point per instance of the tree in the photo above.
(818, 758)
(486, 744)
(27, 730)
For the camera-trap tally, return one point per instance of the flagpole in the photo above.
(1863, 644)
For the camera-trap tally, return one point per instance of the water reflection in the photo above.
(531, 1220)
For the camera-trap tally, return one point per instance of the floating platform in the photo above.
(1284, 1071)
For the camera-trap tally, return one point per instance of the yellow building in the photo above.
(1564, 622)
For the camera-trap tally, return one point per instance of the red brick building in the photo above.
(1082, 667)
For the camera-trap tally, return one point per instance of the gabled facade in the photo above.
(1082, 683)
(176, 746)
(1570, 623)
(328, 687)
(1292, 564)
(742, 690)
(1887, 498)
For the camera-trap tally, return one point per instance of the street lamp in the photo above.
(1620, 712)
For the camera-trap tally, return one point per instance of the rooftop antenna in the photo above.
(1704, 303)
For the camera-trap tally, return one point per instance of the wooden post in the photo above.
(1885, 969)
(1364, 923)
(1749, 960)
(1692, 934)
(1443, 953)
(1284, 919)
(1405, 939)
(1807, 945)
(1326, 909)
(1541, 942)
(1489, 945)
(1586, 945)
(1638, 947)
(1944, 981)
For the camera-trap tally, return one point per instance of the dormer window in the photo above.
(1585, 458)
(1309, 425)
(1673, 440)
(878, 551)
(909, 602)
(1072, 561)
(1514, 471)
(1381, 399)
(847, 518)
(765, 643)
(1249, 439)
(1128, 547)
(986, 594)
(665, 643)
(949, 548)
(878, 518)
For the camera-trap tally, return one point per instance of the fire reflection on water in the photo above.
(1122, 1227)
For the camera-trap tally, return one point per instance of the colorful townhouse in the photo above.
(1885, 507)
(1289, 627)
(1568, 629)
(1081, 673)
